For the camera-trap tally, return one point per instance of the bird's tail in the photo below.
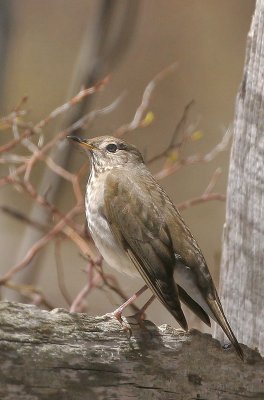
(220, 317)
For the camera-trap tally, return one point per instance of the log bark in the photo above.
(242, 271)
(57, 355)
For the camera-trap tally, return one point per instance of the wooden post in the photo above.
(242, 269)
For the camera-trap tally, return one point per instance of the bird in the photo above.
(139, 231)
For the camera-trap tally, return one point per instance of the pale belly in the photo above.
(102, 234)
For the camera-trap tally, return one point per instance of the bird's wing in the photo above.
(191, 272)
(193, 306)
(138, 226)
(156, 239)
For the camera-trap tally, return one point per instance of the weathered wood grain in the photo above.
(58, 355)
(242, 269)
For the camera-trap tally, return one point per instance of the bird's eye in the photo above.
(111, 147)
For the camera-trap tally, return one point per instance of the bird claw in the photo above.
(126, 327)
(140, 317)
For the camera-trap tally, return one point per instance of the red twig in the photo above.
(77, 304)
(37, 247)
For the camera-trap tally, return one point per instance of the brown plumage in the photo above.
(135, 224)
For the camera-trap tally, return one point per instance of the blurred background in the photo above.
(49, 49)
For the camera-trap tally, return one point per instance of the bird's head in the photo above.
(109, 152)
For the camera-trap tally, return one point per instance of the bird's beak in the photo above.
(81, 141)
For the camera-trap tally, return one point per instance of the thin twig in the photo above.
(207, 195)
(60, 273)
(23, 218)
(31, 191)
(77, 304)
(115, 287)
(75, 100)
(196, 159)
(40, 153)
(200, 199)
(178, 130)
(34, 294)
(37, 247)
(141, 110)
(31, 130)
(213, 181)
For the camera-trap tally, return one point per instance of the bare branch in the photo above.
(34, 294)
(37, 247)
(30, 130)
(78, 302)
(23, 218)
(200, 199)
(40, 153)
(180, 128)
(207, 194)
(139, 115)
(75, 100)
(196, 159)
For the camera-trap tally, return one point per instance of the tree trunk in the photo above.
(63, 356)
(242, 269)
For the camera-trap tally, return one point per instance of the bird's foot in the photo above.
(140, 317)
(126, 327)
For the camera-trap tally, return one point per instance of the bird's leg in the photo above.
(140, 315)
(118, 312)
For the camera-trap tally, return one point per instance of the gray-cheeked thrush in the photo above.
(138, 230)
